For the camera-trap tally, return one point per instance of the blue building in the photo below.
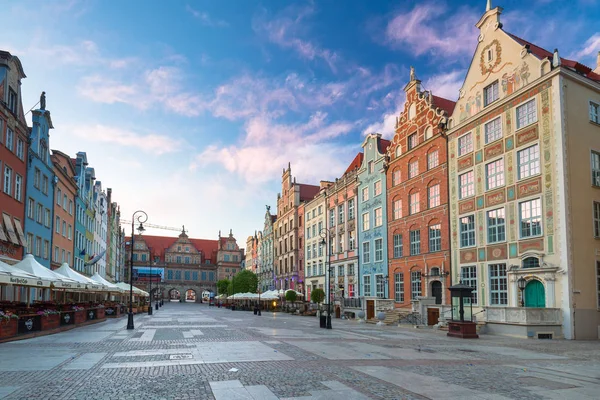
(372, 218)
(40, 188)
(84, 214)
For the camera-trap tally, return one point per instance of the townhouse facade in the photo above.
(228, 256)
(315, 242)
(100, 228)
(40, 186)
(64, 210)
(372, 231)
(266, 272)
(14, 135)
(418, 211)
(301, 260)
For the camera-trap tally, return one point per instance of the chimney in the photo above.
(597, 70)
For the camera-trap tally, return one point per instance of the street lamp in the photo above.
(522, 282)
(150, 292)
(324, 234)
(141, 218)
(259, 302)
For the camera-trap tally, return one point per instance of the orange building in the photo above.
(417, 181)
(65, 190)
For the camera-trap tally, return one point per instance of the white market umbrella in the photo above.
(32, 267)
(111, 286)
(125, 287)
(65, 270)
(13, 276)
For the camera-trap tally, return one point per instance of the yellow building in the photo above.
(525, 197)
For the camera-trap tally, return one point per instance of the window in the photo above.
(331, 218)
(379, 286)
(350, 209)
(1, 130)
(314, 231)
(365, 221)
(598, 281)
(320, 210)
(365, 194)
(529, 161)
(351, 269)
(490, 93)
(397, 209)
(412, 141)
(38, 246)
(350, 241)
(413, 169)
(493, 130)
(366, 252)
(494, 173)
(65, 202)
(435, 238)
(531, 262)
(468, 275)
(341, 270)
(396, 177)
(414, 203)
(467, 231)
(434, 196)
(56, 250)
(46, 253)
(36, 180)
(39, 213)
(496, 226)
(498, 285)
(377, 188)
(367, 284)
(378, 217)
(397, 246)
(597, 219)
(7, 180)
(47, 218)
(526, 114)
(594, 112)
(57, 224)
(308, 232)
(530, 217)
(399, 287)
(44, 184)
(415, 242)
(465, 144)
(29, 242)
(12, 100)
(341, 214)
(595, 168)
(308, 253)
(18, 187)
(466, 185)
(63, 255)
(371, 167)
(64, 228)
(69, 229)
(178, 275)
(415, 284)
(9, 139)
(20, 147)
(378, 249)
(432, 160)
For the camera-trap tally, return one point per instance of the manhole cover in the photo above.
(180, 356)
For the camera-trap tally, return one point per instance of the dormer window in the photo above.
(12, 101)
(43, 151)
(490, 55)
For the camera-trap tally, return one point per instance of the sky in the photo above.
(190, 110)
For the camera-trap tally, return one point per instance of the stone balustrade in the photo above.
(523, 315)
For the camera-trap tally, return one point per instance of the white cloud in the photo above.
(589, 50)
(206, 19)
(432, 28)
(446, 85)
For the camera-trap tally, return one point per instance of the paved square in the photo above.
(191, 351)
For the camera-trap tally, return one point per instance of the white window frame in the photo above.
(365, 222)
(377, 190)
(367, 284)
(379, 286)
(498, 281)
(494, 179)
(412, 141)
(595, 168)
(433, 195)
(596, 218)
(415, 203)
(435, 237)
(416, 288)
(494, 228)
(493, 130)
(433, 159)
(415, 242)
(378, 217)
(465, 144)
(536, 204)
(396, 177)
(366, 247)
(493, 89)
(531, 115)
(413, 169)
(467, 231)
(365, 194)
(350, 209)
(528, 161)
(18, 187)
(466, 187)
(397, 208)
(378, 249)
(594, 112)
(468, 276)
(398, 245)
(8, 172)
(399, 287)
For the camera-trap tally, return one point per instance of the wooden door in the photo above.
(370, 309)
(433, 316)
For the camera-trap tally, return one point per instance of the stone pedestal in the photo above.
(463, 330)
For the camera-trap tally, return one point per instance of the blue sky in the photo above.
(190, 110)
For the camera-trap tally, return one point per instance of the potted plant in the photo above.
(9, 324)
(49, 319)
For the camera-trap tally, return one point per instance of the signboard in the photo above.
(147, 274)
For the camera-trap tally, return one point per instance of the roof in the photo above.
(383, 145)
(356, 163)
(308, 192)
(158, 245)
(543, 53)
(444, 104)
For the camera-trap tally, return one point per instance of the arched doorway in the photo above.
(174, 295)
(190, 296)
(535, 294)
(436, 291)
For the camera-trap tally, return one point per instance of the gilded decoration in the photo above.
(509, 143)
(497, 252)
(547, 146)
(467, 256)
(478, 156)
(480, 202)
(511, 221)
(478, 138)
(528, 245)
(527, 135)
(487, 67)
(529, 188)
(494, 198)
(478, 178)
(510, 177)
(510, 193)
(494, 150)
(480, 226)
(466, 206)
(465, 162)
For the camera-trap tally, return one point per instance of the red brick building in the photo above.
(418, 212)
(13, 154)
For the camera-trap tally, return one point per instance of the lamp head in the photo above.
(141, 228)
(522, 282)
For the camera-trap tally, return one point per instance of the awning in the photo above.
(65, 270)
(125, 287)
(14, 276)
(10, 230)
(32, 267)
(19, 229)
(111, 286)
(2, 234)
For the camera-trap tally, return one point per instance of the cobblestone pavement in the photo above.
(191, 351)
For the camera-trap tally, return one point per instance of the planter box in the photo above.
(8, 328)
(91, 313)
(101, 313)
(29, 323)
(50, 322)
(67, 318)
(80, 316)
(112, 311)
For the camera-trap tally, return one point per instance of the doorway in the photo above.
(436, 291)
(370, 309)
(190, 296)
(535, 294)
(433, 316)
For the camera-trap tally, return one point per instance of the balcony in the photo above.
(524, 316)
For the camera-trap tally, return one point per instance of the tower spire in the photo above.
(488, 6)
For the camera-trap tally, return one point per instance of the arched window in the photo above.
(412, 111)
(398, 151)
(428, 132)
(531, 262)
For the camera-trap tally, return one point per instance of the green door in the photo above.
(535, 295)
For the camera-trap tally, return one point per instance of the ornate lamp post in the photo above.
(522, 282)
(324, 234)
(141, 217)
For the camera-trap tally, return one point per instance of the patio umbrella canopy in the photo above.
(31, 266)
(65, 270)
(13, 276)
(125, 287)
(111, 286)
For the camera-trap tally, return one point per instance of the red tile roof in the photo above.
(308, 192)
(444, 104)
(356, 163)
(543, 53)
(158, 245)
(383, 145)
